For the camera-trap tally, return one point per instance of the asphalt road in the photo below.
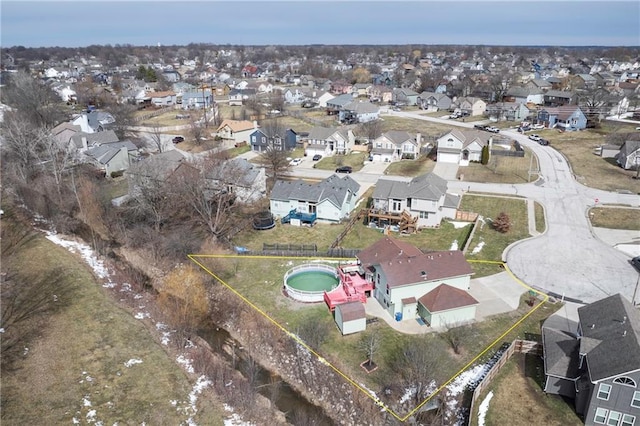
(567, 259)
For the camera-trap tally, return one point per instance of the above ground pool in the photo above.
(308, 282)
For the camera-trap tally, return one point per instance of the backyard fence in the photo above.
(466, 216)
(517, 346)
(361, 214)
(505, 153)
(308, 248)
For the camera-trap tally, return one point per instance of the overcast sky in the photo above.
(515, 22)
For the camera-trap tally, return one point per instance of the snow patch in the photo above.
(85, 252)
(454, 245)
(132, 362)
(185, 362)
(235, 419)
(484, 406)
(478, 248)
(458, 225)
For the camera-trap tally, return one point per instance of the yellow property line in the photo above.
(334, 368)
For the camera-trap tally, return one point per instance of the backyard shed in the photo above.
(350, 317)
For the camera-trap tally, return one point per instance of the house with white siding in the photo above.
(237, 130)
(395, 145)
(328, 141)
(461, 147)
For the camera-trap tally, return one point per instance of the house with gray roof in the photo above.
(597, 363)
(247, 181)
(405, 96)
(425, 198)
(327, 141)
(338, 103)
(331, 200)
(508, 111)
(112, 157)
(629, 155)
(395, 145)
(462, 146)
(528, 94)
(82, 141)
(360, 111)
(432, 101)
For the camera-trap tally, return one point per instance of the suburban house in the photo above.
(238, 176)
(112, 158)
(331, 199)
(197, 99)
(324, 98)
(166, 98)
(264, 139)
(236, 130)
(237, 97)
(335, 104)
(507, 111)
(432, 101)
(460, 147)
(424, 198)
(153, 171)
(395, 145)
(470, 106)
(411, 284)
(629, 155)
(378, 93)
(329, 141)
(404, 96)
(63, 133)
(359, 112)
(554, 98)
(568, 118)
(82, 141)
(525, 95)
(597, 363)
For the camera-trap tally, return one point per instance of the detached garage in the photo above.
(351, 317)
(446, 306)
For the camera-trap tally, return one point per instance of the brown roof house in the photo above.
(350, 317)
(410, 283)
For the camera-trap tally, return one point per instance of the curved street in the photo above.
(567, 259)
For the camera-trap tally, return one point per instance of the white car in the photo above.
(535, 137)
(537, 126)
(492, 129)
(295, 161)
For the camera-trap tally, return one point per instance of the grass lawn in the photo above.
(79, 359)
(429, 131)
(541, 224)
(501, 170)
(168, 118)
(615, 218)
(410, 168)
(518, 397)
(590, 169)
(355, 159)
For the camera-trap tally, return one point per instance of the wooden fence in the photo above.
(517, 346)
(466, 216)
(361, 214)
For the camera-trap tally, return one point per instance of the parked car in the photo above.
(344, 169)
(636, 262)
(480, 126)
(178, 139)
(295, 161)
(492, 129)
(535, 138)
(543, 142)
(317, 157)
(537, 126)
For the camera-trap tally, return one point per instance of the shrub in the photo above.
(502, 223)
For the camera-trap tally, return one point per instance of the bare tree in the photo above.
(196, 130)
(38, 104)
(276, 164)
(370, 344)
(371, 129)
(156, 138)
(21, 146)
(416, 364)
(124, 116)
(455, 334)
(502, 223)
(593, 102)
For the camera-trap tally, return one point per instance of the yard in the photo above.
(411, 168)
(615, 218)
(501, 170)
(517, 397)
(355, 159)
(588, 168)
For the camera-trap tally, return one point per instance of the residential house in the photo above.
(554, 98)
(222, 90)
(324, 98)
(568, 118)
(237, 176)
(237, 97)
(507, 111)
(63, 133)
(358, 112)
(462, 146)
(361, 89)
(584, 81)
(154, 171)
(470, 106)
(236, 130)
(112, 158)
(424, 198)
(99, 121)
(341, 87)
(629, 155)
(525, 95)
(432, 101)
(596, 362)
(404, 96)
(265, 138)
(408, 282)
(197, 99)
(82, 141)
(337, 103)
(382, 94)
(395, 145)
(331, 199)
(539, 84)
(328, 141)
(166, 98)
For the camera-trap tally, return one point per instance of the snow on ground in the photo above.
(235, 419)
(458, 225)
(185, 362)
(462, 381)
(478, 248)
(132, 362)
(454, 245)
(200, 385)
(484, 406)
(84, 250)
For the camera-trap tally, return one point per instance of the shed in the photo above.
(350, 317)
(446, 306)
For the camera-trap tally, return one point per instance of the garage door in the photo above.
(448, 158)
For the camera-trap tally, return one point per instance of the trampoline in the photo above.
(263, 220)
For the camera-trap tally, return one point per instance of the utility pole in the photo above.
(204, 107)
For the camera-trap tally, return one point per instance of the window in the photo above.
(601, 415)
(614, 418)
(603, 391)
(624, 380)
(253, 138)
(424, 215)
(635, 402)
(628, 420)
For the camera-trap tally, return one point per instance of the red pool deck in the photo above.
(353, 287)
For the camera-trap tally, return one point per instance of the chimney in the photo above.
(419, 139)
(255, 124)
